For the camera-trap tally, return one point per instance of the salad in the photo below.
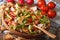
(21, 18)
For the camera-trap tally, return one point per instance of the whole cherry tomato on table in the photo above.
(52, 13)
(30, 2)
(44, 8)
(51, 5)
(10, 0)
(40, 3)
(21, 1)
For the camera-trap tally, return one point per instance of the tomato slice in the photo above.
(38, 17)
(12, 15)
(9, 23)
(14, 23)
(34, 28)
(30, 20)
(6, 20)
(36, 22)
(0, 28)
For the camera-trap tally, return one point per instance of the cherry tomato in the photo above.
(52, 13)
(0, 28)
(21, 1)
(9, 23)
(36, 22)
(41, 0)
(43, 12)
(38, 17)
(30, 2)
(44, 8)
(34, 28)
(14, 23)
(10, 0)
(32, 14)
(12, 15)
(51, 5)
(6, 20)
(40, 3)
(30, 20)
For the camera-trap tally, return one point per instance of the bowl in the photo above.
(28, 36)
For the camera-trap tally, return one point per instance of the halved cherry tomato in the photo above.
(51, 5)
(10, 0)
(32, 14)
(43, 13)
(34, 28)
(36, 22)
(52, 13)
(30, 20)
(21, 1)
(44, 8)
(6, 20)
(10, 21)
(14, 23)
(38, 17)
(41, 3)
(12, 15)
(30, 2)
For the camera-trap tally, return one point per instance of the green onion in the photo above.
(33, 17)
(13, 27)
(44, 20)
(27, 16)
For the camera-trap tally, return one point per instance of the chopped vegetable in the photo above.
(13, 27)
(44, 20)
(33, 17)
(22, 17)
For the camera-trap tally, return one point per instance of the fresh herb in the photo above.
(13, 27)
(33, 17)
(44, 20)
(30, 27)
